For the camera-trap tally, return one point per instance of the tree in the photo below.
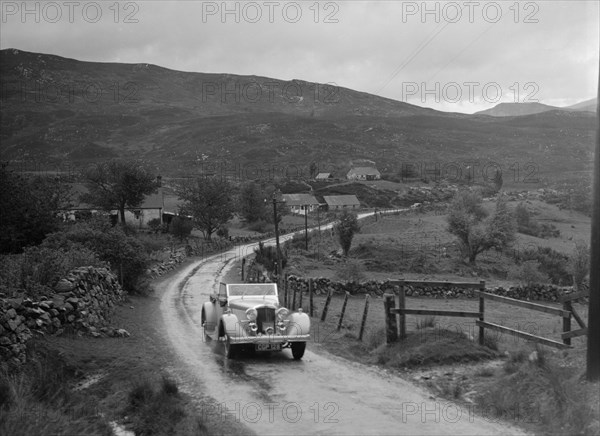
(346, 229)
(313, 170)
(522, 215)
(209, 201)
(579, 263)
(118, 185)
(497, 180)
(181, 227)
(252, 203)
(476, 234)
(28, 209)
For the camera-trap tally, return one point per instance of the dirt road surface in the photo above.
(272, 394)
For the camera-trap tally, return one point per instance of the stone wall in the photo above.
(80, 302)
(532, 293)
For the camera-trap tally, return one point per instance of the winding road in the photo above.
(272, 394)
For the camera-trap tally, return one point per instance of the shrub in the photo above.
(154, 224)
(125, 253)
(579, 263)
(181, 227)
(528, 273)
(261, 226)
(350, 271)
(267, 257)
(38, 269)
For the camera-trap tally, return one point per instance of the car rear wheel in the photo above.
(298, 349)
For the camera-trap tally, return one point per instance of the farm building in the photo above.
(339, 202)
(324, 176)
(152, 207)
(299, 202)
(363, 173)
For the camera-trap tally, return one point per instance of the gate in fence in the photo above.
(395, 318)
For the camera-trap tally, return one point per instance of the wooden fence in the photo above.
(397, 330)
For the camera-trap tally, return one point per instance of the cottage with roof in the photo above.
(152, 207)
(340, 202)
(298, 203)
(363, 173)
(324, 177)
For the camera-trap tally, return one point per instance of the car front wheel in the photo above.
(298, 349)
(230, 349)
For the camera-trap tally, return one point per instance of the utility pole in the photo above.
(306, 227)
(278, 252)
(593, 337)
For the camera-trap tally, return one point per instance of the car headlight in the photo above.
(251, 314)
(282, 313)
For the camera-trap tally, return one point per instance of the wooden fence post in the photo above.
(402, 305)
(482, 317)
(310, 298)
(243, 265)
(285, 290)
(567, 321)
(364, 318)
(343, 310)
(391, 326)
(300, 298)
(327, 301)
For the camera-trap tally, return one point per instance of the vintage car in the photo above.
(249, 316)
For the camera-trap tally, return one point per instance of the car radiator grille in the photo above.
(265, 320)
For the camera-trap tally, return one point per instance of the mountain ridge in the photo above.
(57, 110)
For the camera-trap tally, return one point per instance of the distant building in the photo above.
(324, 176)
(299, 202)
(363, 173)
(339, 202)
(152, 207)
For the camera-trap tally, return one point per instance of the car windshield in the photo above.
(252, 289)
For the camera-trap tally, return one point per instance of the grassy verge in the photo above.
(546, 394)
(39, 399)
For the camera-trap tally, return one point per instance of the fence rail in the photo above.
(395, 318)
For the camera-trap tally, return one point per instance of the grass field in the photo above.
(418, 246)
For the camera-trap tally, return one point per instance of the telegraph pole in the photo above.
(593, 338)
(279, 268)
(306, 227)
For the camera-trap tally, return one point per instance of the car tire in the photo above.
(230, 350)
(298, 349)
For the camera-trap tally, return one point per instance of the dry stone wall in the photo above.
(80, 302)
(530, 293)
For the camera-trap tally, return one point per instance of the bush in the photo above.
(154, 224)
(350, 271)
(579, 263)
(551, 262)
(267, 257)
(261, 226)
(181, 227)
(38, 269)
(528, 273)
(124, 253)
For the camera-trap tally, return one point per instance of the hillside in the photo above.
(588, 105)
(516, 109)
(56, 111)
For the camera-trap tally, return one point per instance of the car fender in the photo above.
(230, 326)
(299, 324)
(209, 317)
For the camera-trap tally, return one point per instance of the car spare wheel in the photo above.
(298, 349)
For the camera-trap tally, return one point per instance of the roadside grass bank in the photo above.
(540, 389)
(91, 384)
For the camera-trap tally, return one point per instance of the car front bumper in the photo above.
(268, 339)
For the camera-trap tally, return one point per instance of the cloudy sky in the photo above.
(459, 56)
